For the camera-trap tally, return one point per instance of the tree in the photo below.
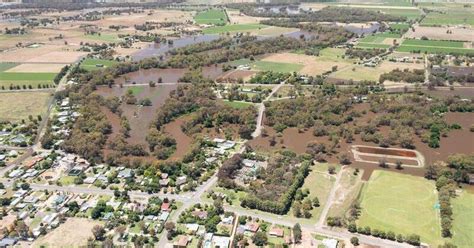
(316, 202)
(331, 169)
(297, 234)
(355, 241)
(98, 232)
(398, 165)
(218, 205)
(260, 238)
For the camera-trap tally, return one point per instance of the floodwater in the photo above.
(160, 49)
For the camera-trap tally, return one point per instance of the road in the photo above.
(261, 109)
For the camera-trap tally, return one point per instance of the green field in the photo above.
(238, 105)
(401, 203)
(5, 66)
(399, 26)
(15, 106)
(90, 64)
(136, 90)
(212, 16)
(463, 224)
(450, 16)
(24, 76)
(434, 46)
(233, 28)
(276, 66)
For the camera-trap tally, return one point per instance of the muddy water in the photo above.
(169, 75)
(183, 142)
(160, 49)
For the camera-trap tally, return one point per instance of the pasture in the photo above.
(449, 16)
(463, 215)
(212, 16)
(15, 106)
(360, 72)
(401, 203)
(381, 40)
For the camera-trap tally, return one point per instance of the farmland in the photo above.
(382, 40)
(402, 204)
(16, 106)
(212, 16)
(449, 16)
(434, 46)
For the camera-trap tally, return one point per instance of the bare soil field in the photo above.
(238, 18)
(43, 54)
(440, 33)
(387, 151)
(73, 233)
(53, 68)
(273, 31)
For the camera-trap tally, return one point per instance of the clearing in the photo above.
(67, 235)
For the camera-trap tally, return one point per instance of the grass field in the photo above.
(238, 105)
(450, 16)
(90, 64)
(276, 67)
(5, 66)
(463, 215)
(24, 76)
(401, 203)
(233, 28)
(212, 16)
(399, 26)
(15, 106)
(102, 37)
(434, 46)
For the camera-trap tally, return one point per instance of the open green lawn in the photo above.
(7, 65)
(238, 105)
(90, 64)
(463, 224)
(276, 66)
(212, 16)
(434, 46)
(67, 180)
(33, 76)
(15, 106)
(233, 28)
(136, 90)
(401, 203)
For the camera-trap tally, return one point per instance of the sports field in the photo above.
(434, 46)
(401, 203)
(212, 16)
(15, 106)
(463, 223)
(234, 28)
(90, 64)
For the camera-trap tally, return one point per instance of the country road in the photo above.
(261, 109)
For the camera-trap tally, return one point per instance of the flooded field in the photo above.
(160, 49)
(458, 141)
(183, 141)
